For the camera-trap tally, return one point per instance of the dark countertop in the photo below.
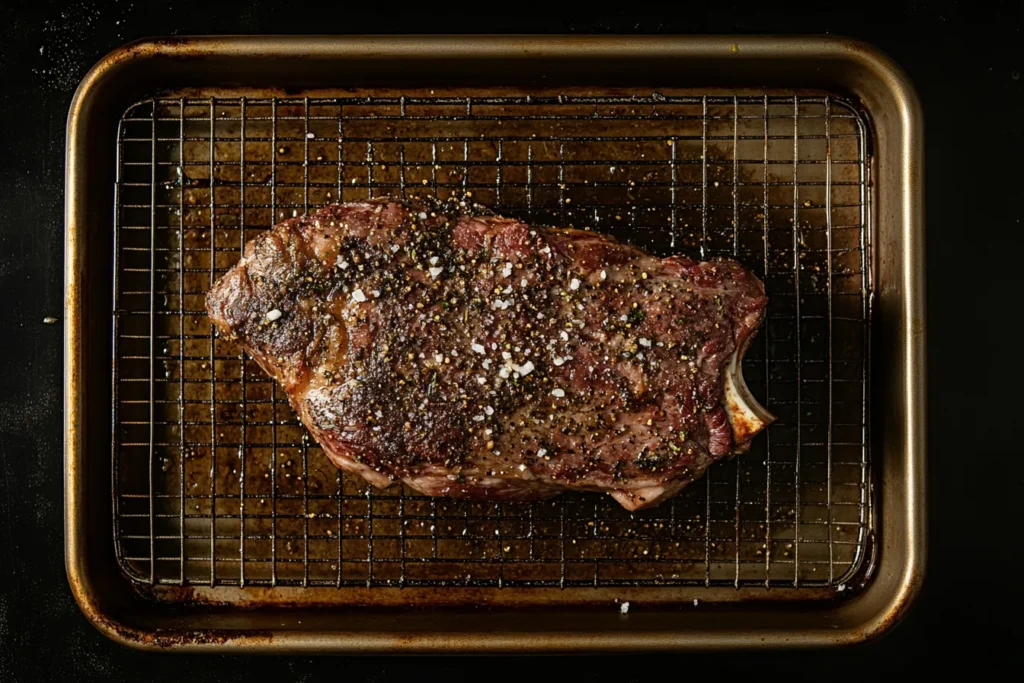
(962, 58)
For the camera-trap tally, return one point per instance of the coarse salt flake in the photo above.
(489, 410)
(439, 358)
(478, 418)
(480, 379)
(358, 295)
(558, 393)
(434, 272)
(624, 608)
(564, 336)
(604, 274)
(574, 284)
(376, 293)
(507, 270)
(487, 364)
(342, 263)
(504, 373)
(525, 369)
(645, 342)
(422, 215)
(479, 348)
(433, 260)
(558, 360)
(506, 355)
(541, 452)
(273, 314)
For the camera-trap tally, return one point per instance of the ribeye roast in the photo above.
(472, 355)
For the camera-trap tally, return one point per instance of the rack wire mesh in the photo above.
(215, 481)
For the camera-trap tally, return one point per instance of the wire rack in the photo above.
(215, 482)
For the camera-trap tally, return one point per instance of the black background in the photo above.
(965, 59)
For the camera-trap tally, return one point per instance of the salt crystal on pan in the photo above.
(422, 215)
(376, 293)
(541, 452)
(273, 314)
(624, 608)
(434, 272)
(564, 336)
(478, 418)
(506, 355)
(604, 274)
(489, 410)
(507, 270)
(480, 379)
(504, 373)
(487, 364)
(439, 358)
(310, 136)
(394, 248)
(526, 368)
(479, 348)
(645, 342)
(358, 295)
(558, 393)
(574, 284)
(433, 260)
(342, 263)
(558, 360)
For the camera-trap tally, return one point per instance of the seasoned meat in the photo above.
(472, 355)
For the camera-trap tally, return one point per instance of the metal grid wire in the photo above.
(216, 482)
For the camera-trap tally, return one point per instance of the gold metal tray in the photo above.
(202, 516)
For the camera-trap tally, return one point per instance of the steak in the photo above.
(472, 355)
